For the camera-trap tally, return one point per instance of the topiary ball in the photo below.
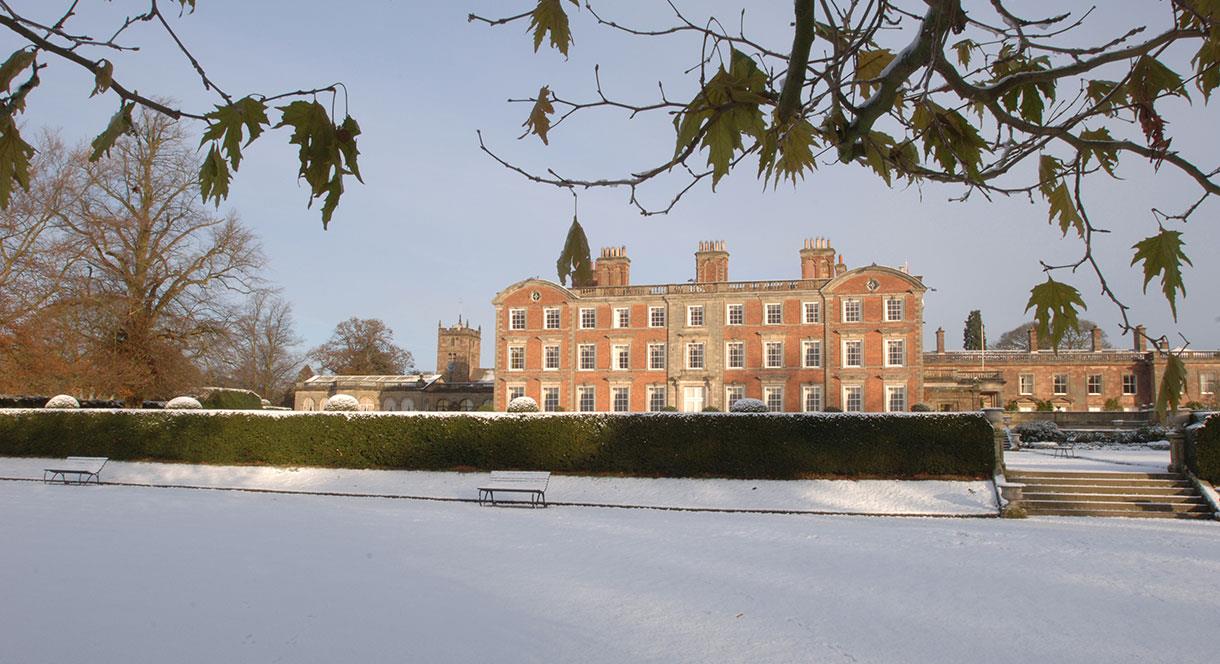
(62, 401)
(343, 403)
(748, 406)
(183, 403)
(523, 405)
(921, 408)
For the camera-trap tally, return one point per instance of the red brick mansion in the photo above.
(837, 338)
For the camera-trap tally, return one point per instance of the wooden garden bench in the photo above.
(533, 483)
(81, 469)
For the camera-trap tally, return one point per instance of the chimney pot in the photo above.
(940, 341)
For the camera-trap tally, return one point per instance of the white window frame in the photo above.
(890, 391)
(815, 308)
(617, 353)
(848, 303)
(620, 318)
(690, 347)
(816, 345)
(589, 322)
(1207, 379)
(690, 315)
(615, 391)
(769, 361)
(653, 391)
(733, 393)
(580, 357)
(653, 314)
(516, 347)
(735, 307)
(902, 309)
(1022, 388)
(549, 389)
(847, 391)
(769, 308)
(814, 393)
(512, 319)
(846, 356)
(510, 391)
(1129, 378)
(581, 392)
(1055, 384)
(547, 356)
(546, 318)
(889, 352)
(728, 355)
(1088, 384)
(652, 356)
(776, 391)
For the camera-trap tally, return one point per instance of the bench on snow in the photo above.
(82, 469)
(516, 481)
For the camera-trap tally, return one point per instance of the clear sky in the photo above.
(439, 228)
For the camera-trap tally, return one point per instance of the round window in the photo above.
(535, 296)
(873, 285)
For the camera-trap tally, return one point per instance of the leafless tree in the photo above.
(34, 256)
(159, 269)
(259, 351)
(362, 346)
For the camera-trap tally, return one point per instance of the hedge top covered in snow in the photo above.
(183, 403)
(523, 405)
(749, 406)
(342, 403)
(62, 401)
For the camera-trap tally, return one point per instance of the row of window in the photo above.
(734, 314)
(696, 356)
(389, 404)
(1059, 384)
(773, 396)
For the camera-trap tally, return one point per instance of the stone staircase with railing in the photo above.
(1143, 495)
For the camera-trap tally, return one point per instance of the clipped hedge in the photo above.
(1203, 450)
(228, 399)
(775, 446)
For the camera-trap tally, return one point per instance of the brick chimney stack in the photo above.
(711, 262)
(612, 268)
(1033, 338)
(817, 259)
(840, 267)
(1139, 338)
(940, 341)
(1096, 339)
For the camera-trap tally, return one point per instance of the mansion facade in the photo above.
(835, 339)
(1093, 379)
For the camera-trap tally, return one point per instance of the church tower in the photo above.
(457, 351)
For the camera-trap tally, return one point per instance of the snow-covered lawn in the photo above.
(1116, 459)
(841, 496)
(132, 574)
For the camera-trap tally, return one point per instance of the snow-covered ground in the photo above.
(838, 496)
(134, 575)
(1114, 458)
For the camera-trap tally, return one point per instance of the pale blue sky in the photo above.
(439, 227)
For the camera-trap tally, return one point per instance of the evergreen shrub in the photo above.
(1205, 457)
(754, 446)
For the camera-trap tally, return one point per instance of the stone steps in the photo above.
(1031, 487)
(1095, 498)
(1139, 495)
